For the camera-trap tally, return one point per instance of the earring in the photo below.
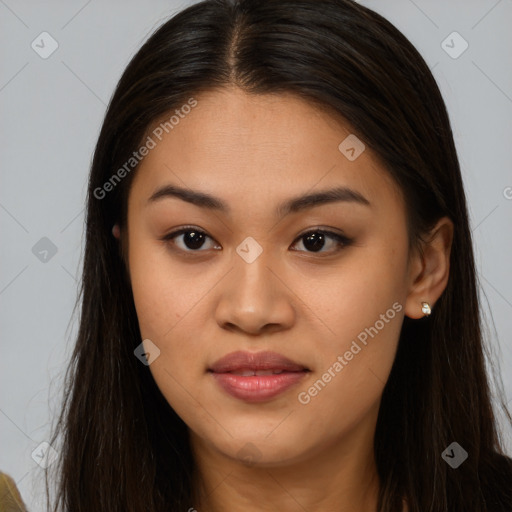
(425, 308)
(116, 231)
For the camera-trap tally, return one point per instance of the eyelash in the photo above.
(341, 240)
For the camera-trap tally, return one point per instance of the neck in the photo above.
(340, 476)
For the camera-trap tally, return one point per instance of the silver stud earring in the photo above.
(425, 308)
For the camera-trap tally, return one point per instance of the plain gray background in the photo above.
(51, 112)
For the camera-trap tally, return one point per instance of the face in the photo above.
(268, 239)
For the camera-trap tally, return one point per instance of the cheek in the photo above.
(152, 296)
(351, 298)
(361, 308)
(162, 301)
(163, 293)
(171, 307)
(354, 368)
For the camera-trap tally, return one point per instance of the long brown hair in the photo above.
(123, 447)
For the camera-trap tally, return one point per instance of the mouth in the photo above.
(256, 377)
(250, 372)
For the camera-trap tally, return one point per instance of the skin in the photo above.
(254, 152)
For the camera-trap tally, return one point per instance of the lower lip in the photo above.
(257, 388)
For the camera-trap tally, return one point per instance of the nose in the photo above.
(255, 298)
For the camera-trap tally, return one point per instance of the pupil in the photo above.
(194, 240)
(314, 241)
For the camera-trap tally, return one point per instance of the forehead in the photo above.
(237, 146)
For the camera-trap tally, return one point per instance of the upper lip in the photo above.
(241, 360)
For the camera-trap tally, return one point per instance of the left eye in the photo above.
(317, 240)
(191, 239)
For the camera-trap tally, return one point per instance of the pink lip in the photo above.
(256, 388)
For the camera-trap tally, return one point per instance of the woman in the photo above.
(279, 300)
(10, 498)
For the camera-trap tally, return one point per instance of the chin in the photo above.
(260, 450)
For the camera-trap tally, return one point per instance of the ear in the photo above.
(123, 246)
(429, 268)
(116, 231)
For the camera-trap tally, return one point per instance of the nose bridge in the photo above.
(252, 277)
(254, 298)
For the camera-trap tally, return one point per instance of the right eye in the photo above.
(190, 239)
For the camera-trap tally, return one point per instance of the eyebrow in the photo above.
(292, 205)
